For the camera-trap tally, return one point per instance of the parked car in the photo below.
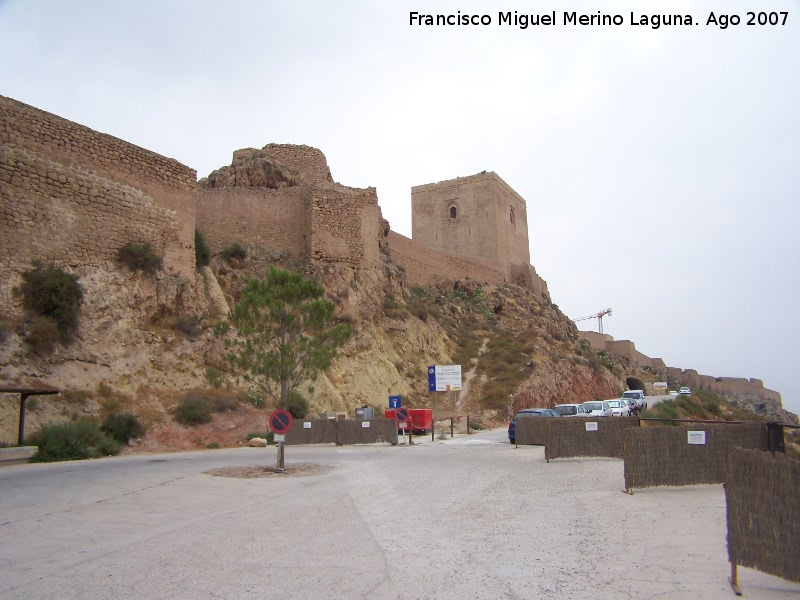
(673, 392)
(633, 408)
(637, 396)
(597, 408)
(618, 408)
(685, 390)
(571, 410)
(528, 412)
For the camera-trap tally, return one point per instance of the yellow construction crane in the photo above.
(599, 316)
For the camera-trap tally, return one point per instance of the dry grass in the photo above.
(224, 431)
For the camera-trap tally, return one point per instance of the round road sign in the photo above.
(402, 415)
(280, 421)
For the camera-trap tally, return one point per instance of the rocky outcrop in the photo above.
(274, 166)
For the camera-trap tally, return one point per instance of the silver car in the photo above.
(571, 410)
(597, 408)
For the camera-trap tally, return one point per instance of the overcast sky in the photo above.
(661, 167)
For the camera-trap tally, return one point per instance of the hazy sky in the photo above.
(661, 167)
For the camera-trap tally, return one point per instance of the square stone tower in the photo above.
(479, 216)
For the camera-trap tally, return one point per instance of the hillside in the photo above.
(159, 258)
(524, 351)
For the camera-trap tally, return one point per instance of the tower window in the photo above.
(511, 213)
(452, 212)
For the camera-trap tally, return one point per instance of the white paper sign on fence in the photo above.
(697, 437)
(364, 424)
(306, 424)
(591, 426)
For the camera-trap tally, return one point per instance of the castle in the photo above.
(73, 196)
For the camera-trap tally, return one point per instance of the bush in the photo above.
(139, 257)
(189, 325)
(213, 377)
(255, 397)
(202, 253)
(194, 409)
(42, 334)
(297, 405)
(662, 410)
(75, 440)
(224, 403)
(53, 293)
(122, 427)
(234, 251)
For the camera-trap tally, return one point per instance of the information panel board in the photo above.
(444, 378)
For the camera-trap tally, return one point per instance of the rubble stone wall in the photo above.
(426, 267)
(344, 225)
(309, 162)
(733, 386)
(73, 196)
(267, 222)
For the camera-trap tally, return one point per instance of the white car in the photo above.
(597, 408)
(618, 408)
(673, 392)
(685, 390)
(637, 396)
(571, 410)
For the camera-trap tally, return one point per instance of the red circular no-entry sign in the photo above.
(280, 421)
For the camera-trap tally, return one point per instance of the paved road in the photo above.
(471, 517)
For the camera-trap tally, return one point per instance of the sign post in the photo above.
(402, 416)
(280, 421)
(444, 378)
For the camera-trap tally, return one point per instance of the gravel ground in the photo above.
(468, 518)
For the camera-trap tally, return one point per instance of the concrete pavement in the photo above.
(471, 517)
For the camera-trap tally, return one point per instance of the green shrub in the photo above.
(222, 402)
(193, 409)
(42, 334)
(202, 253)
(53, 293)
(297, 405)
(75, 440)
(476, 425)
(189, 325)
(213, 377)
(662, 410)
(139, 257)
(122, 427)
(234, 251)
(607, 361)
(712, 402)
(255, 397)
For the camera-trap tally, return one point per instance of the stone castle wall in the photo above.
(309, 162)
(426, 267)
(733, 386)
(624, 348)
(268, 223)
(73, 196)
(344, 225)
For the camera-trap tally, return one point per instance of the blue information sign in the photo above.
(395, 401)
(431, 379)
